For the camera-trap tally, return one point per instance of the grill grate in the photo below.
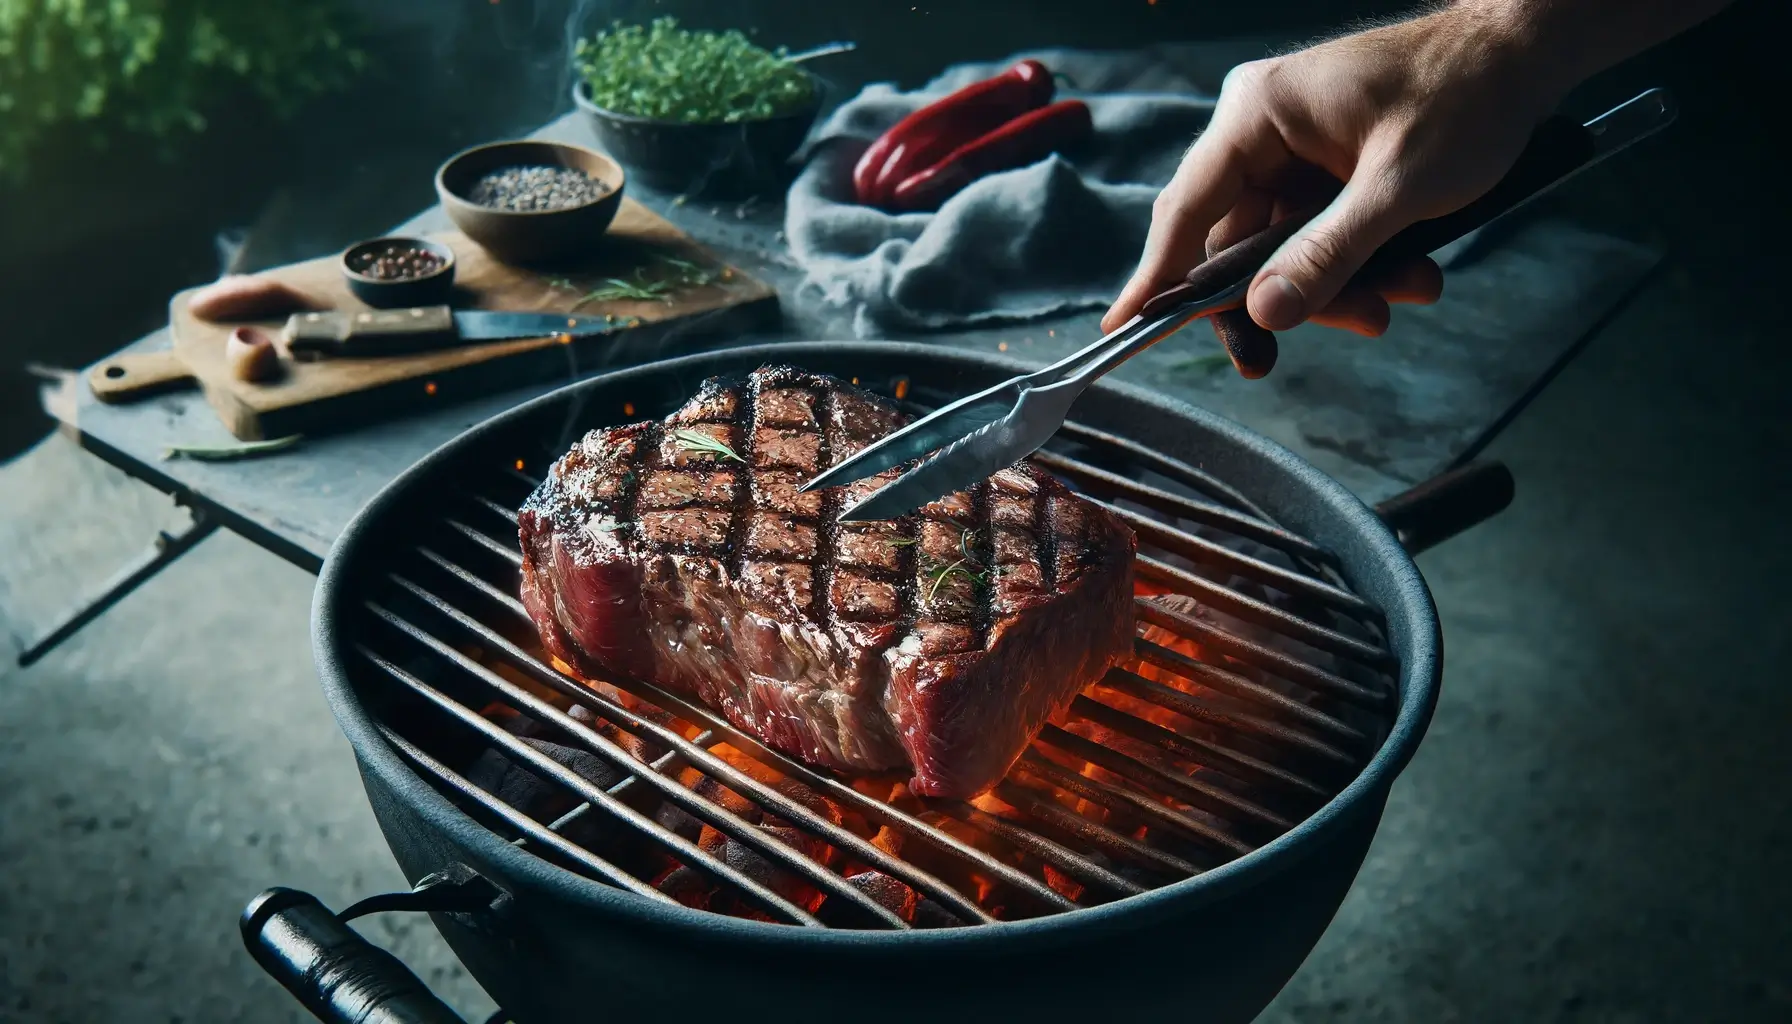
(1229, 728)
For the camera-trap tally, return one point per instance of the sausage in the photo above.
(923, 137)
(1026, 139)
(247, 297)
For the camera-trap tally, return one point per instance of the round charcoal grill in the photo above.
(1176, 843)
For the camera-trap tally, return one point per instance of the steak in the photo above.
(682, 553)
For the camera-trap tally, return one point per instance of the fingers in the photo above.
(1357, 310)
(1308, 272)
(1418, 282)
(1250, 215)
(1205, 186)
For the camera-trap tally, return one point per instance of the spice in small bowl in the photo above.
(390, 273)
(532, 203)
(538, 188)
(396, 262)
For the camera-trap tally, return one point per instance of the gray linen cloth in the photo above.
(1056, 237)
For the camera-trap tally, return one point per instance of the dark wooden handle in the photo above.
(368, 332)
(1252, 348)
(1447, 504)
(338, 975)
(1557, 147)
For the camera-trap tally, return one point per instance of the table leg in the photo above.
(167, 548)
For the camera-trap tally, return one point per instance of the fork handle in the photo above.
(1557, 147)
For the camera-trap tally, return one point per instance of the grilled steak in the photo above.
(681, 552)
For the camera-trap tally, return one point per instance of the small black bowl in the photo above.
(721, 160)
(432, 289)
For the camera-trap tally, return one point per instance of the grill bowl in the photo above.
(1216, 947)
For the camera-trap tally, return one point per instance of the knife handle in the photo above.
(369, 332)
(1557, 148)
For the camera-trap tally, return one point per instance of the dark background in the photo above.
(111, 236)
(1594, 830)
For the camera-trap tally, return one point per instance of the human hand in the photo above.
(1416, 120)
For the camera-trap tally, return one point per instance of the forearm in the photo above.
(1564, 42)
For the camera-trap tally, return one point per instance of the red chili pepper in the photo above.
(1026, 139)
(923, 137)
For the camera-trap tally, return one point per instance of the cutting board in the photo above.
(326, 395)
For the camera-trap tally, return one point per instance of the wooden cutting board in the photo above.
(322, 396)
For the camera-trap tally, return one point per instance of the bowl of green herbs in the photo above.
(694, 112)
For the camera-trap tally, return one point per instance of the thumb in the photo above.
(1310, 269)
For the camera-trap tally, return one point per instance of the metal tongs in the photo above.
(977, 436)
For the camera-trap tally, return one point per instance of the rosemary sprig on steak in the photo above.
(697, 441)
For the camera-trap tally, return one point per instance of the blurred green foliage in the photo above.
(93, 70)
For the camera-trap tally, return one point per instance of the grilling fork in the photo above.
(983, 433)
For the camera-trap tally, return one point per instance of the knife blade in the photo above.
(348, 334)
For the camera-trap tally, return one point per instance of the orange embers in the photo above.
(750, 836)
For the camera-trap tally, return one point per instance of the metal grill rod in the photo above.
(1232, 684)
(739, 781)
(1062, 860)
(1263, 613)
(1274, 697)
(1206, 552)
(1243, 767)
(1132, 801)
(724, 820)
(1193, 792)
(1217, 516)
(683, 849)
(1077, 867)
(1252, 653)
(1043, 808)
(1200, 709)
(602, 869)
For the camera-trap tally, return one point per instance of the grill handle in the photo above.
(338, 975)
(1447, 504)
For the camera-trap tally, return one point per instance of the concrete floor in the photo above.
(1594, 829)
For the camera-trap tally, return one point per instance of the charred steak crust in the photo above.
(681, 552)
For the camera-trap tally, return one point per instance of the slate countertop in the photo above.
(1378, 415)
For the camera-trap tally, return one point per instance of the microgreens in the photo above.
(667, 73)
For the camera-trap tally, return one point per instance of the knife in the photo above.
(349, 334)
(980, 434)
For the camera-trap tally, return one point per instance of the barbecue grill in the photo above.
(1177, 842)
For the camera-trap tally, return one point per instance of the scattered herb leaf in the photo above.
(227, 452)
(644, 285)
(1209, 363)
(697, 441)
(938, 575)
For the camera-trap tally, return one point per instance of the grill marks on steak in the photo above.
(939, 642)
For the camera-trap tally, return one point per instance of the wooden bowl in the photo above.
(721, 160)
(530, 237)
(432, 289)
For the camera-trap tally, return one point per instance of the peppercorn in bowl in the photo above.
(692, 112)
(531, 203)
(391, 273)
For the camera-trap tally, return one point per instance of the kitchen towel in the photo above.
(1059, 236)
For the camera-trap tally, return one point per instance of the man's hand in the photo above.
(1416, 119)
(1393, 126)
